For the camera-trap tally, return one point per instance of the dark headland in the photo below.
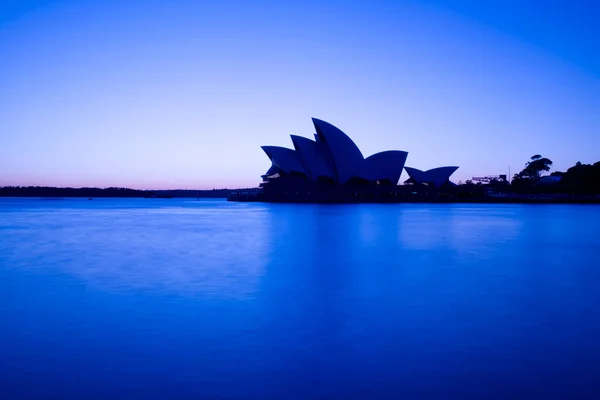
(466, 193)
(332, 169)
(580, 184)
(57, 192)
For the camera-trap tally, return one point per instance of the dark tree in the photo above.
(534, 168)
(582, 179)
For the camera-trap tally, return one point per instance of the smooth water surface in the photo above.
(186, 299)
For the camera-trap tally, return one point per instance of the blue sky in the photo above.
(182, 94)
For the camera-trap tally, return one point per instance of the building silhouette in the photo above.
(334, 159)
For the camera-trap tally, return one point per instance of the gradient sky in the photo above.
(182, 94)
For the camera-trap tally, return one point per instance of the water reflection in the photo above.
(217, 250)
(221, 300)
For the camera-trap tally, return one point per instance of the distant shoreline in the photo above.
(254, 195)
(56, 192)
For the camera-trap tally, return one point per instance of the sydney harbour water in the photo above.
(186, 299)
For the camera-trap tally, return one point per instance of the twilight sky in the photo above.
(182, 94)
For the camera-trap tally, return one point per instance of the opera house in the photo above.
(331, 168)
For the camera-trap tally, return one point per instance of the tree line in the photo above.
(48, 191)
(580, 179)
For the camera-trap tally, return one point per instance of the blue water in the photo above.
(186, 299)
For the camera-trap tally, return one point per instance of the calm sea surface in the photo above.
(186, 299)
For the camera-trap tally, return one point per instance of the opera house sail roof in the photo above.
(335, 158)
(436, 176)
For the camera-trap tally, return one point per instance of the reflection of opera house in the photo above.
(331, 168)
